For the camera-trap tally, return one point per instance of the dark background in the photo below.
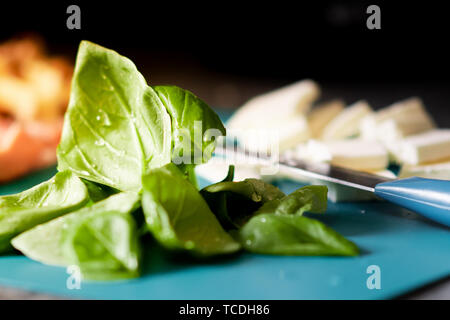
(228, 51)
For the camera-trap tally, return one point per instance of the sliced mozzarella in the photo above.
(313, 151)
(322, 114)
(292, 132)
(346, 124)
(397, 121)
(430, 146)
(440, 170)
(359, 154)
(275, 106)
(275, 136)
(215, 171)
(356, 154)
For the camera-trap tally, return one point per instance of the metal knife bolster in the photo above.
(321, 171)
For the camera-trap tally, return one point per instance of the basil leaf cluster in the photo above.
(126, 170)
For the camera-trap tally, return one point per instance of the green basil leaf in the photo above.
(191, 120)
(293, 235)
(179, 218)
(19, 212)
(253, 189)
(53, 242)
(234, 203)
(306, 199)
(105, 246)
(98, 192)
(116, 128)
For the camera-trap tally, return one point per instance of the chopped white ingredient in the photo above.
(397, 121)
(356, 154)
(313, 151)
(292, 132)
(359, 154)
(217, 171)
(276, 106)
(430, 146)
(322, 114)
(346, 124)
(440, 170)
(275, 136)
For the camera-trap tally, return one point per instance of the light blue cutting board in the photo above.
(409, 251)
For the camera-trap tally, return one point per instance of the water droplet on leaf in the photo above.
(99, 142)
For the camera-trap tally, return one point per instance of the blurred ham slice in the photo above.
(25, 147)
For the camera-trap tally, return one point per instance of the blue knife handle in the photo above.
(428, 197)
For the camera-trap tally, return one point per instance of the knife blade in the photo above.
(428, 197)
(321, 171)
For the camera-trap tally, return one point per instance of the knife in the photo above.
(427, 197)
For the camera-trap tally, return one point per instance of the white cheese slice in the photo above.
(216, 171)
(356, 154)
(275, 136)
(397, 121)
(439, 170)
(430, 146)
(322, 114)
(359, 154)
(312, 151)
(292, 132)
(346, 124)
(276, 106)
